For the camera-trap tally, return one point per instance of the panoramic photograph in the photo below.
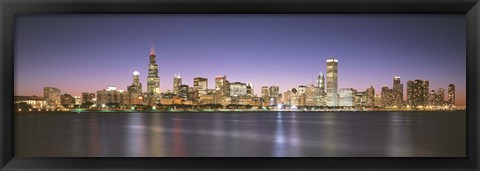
(231, 85)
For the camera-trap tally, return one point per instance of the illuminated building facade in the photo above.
(111, 97)
(67, 100)
(265, 96)
(293, 97)
(451, 95)
(52, 96)
(360, 99)
(274, 92)
(135, 90)
(177, 81)
(88, 97)
(201, 86)
(397, 92)
(153, 81)
(387, 97)
(310, 95)
(221, 86)
(286, 97)
(346, 98)
(332, 82)
(320, 90)
(432, 98)
(370, 96)
(250, 91)
(441, 96)
(417, 93)
(302, 95)
(30, 102)
(183, 91)
(238, 89)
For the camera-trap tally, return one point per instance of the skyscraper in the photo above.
(370, 96)
(238, 89)
(265, 96)
(201, 85)
(332, 82)
(432, 98)
(302, 95)
(183, 91)
(397, 92)
(52, 96)
(250, 91)
(177, 81)
(274, 92)
(417, 93)
(441, 96)
(153, 81)
(451, 95)
(221, 86)
(320, 90)
(387, 96)
(135, 90)
(346, 97)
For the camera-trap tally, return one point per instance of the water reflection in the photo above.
(280, 140)
(156, 134)
(136, 135)
(177, 138)
(399, 135)
(281, 134)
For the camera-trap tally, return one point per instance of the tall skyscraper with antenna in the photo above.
(153, 81)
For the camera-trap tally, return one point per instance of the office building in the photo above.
(238, 89)
(397, 92)
(441, 96)
(265, 96)
(221, 86)
(52, 97)
(88, 97)
(387, 97)
(320, 90)
(112, 97)
(346, 98)
(135, 90)
(451, 95)
(177, 81)
(153, 81)
(274, 92)
(332, 82)
(417, 93)
(370, 96)
(67, 100)
(201, 86)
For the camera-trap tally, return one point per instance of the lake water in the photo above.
(242, 134)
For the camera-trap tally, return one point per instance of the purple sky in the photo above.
(86, 53)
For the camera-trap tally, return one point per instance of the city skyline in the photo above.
(294, 73)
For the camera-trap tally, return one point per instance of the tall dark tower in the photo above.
(397, 92)
(153, 81)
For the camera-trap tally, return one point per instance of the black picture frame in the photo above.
(10, 8)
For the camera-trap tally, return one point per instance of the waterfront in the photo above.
(242, 134)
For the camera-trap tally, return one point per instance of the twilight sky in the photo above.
(86, 53)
